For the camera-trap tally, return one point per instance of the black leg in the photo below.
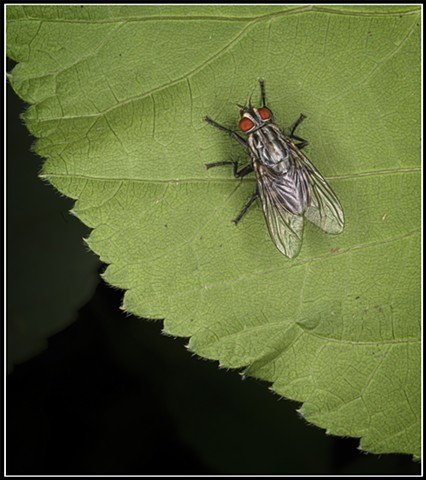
(237, 174)
(298, 122)
(245, 208)
(302, 141)
(243, 172)
(231, 133)
(262, 91)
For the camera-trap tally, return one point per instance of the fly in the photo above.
(289, 186)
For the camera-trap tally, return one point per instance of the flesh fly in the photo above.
(289, 186)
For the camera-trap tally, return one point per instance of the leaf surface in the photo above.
(118, 95)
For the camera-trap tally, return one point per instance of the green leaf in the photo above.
(118, 95)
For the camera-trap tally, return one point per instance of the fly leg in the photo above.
(302, 141)
(245, 170)
(245, 208)
(237, 174)
(231, 133)
(297, 123)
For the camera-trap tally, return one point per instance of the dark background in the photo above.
(111, 395)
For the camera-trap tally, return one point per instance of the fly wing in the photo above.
(285, 228)
(323, 208)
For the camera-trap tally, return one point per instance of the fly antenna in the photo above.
(262, 91)
(249, 103)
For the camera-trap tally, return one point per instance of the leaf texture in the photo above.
(118, 96)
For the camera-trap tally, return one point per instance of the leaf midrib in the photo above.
(178, 181)
(218, 18)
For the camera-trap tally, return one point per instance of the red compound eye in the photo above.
(265, 113)
(246, 124)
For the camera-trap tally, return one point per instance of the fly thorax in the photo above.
(269, 150)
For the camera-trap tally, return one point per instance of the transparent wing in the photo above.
(285, 228)
(289, 196)
(323, 208)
